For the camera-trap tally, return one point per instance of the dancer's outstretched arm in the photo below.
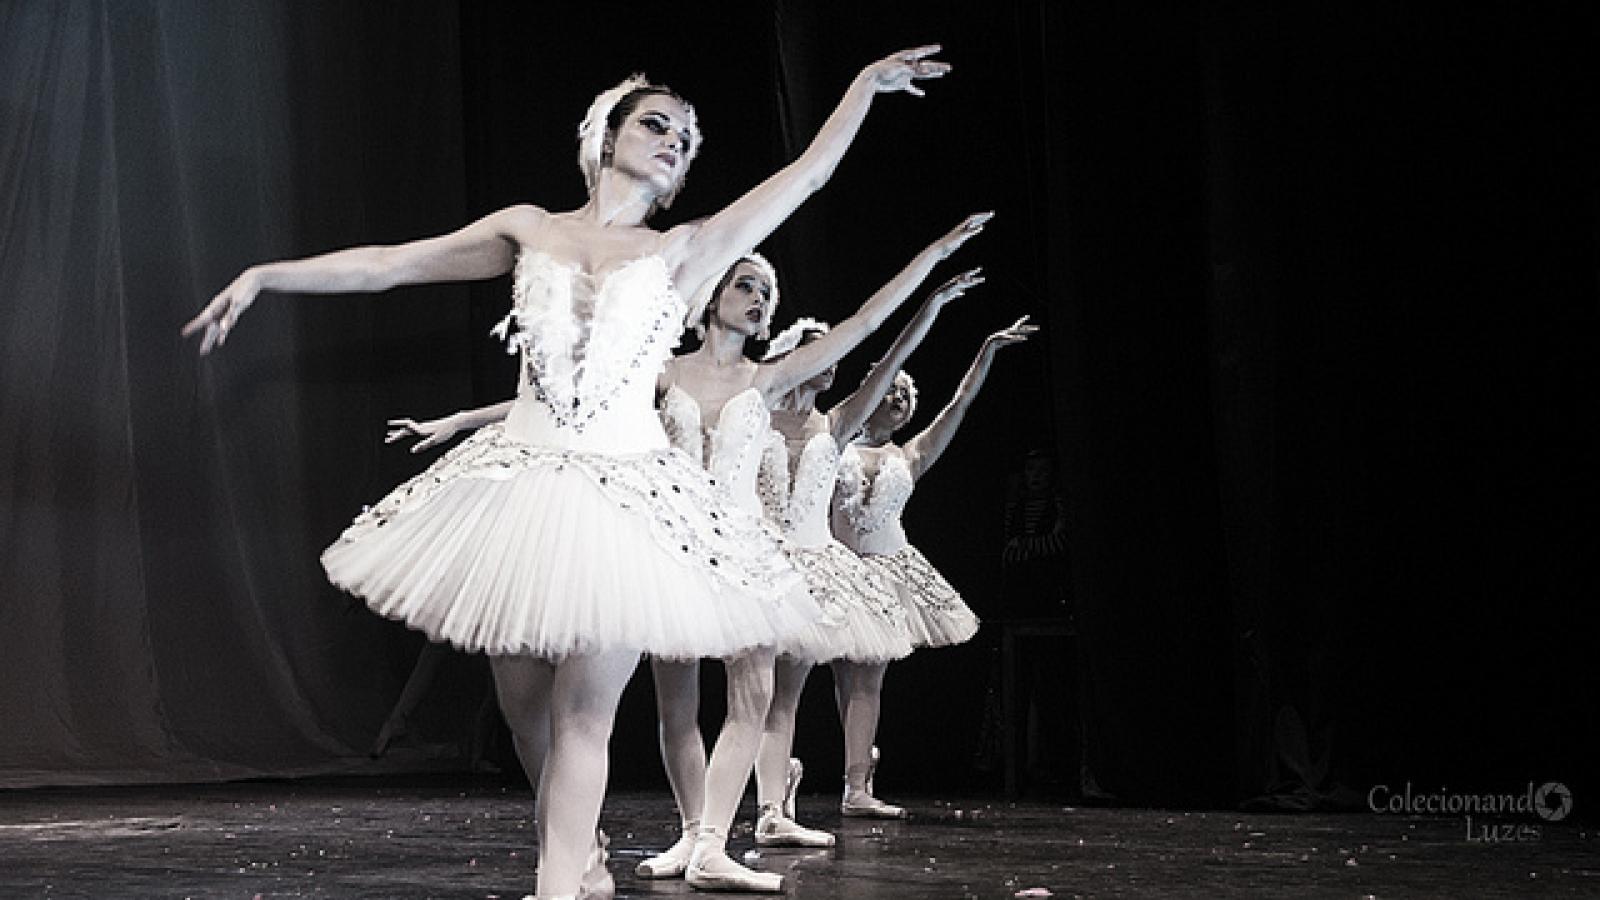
(699, 251)
(924, 450)
(484, 249)
(845, 419)
(786, 374)
(436, 431)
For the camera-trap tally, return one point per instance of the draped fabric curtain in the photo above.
(164, 614)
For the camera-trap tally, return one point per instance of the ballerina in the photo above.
(875, 630)
(616, 544)
(876, 477)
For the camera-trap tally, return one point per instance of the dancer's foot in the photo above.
(671, 862)
(711, 869)
(597, 882)
(791, 787)
(774, 829)
(861, 804)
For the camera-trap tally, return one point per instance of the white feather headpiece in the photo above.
(702, 297)
(789, 338)
(592, 130)
(904, 378)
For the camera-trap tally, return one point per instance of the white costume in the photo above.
(574, 527)
(866, 517)
(849, 590)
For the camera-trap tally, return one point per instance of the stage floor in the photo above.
(361, 839)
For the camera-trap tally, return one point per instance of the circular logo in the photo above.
(1552, 801)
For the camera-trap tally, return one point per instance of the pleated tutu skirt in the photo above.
(865, 618)
(936, 616)
(510, 548)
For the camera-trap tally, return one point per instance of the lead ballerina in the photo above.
(572, 539)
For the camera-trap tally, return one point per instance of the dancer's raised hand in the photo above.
(1018, 332)
(970, 227)
(957, 286)
(900, 71)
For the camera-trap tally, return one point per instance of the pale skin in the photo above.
(858, 687)
(576, 696)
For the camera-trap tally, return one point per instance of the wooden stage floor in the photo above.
(473, 839)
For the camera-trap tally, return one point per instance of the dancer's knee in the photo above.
(750, 686)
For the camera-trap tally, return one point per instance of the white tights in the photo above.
(561, 715)
(715, 795)
(858, 689)
(777, 738)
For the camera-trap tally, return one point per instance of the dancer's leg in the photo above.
(583, 704)
(522, 683)
(858, 688)
(683, 754)
(683, 749)
(777, 737)
(750, 676)
(776, 773)
(749, 697)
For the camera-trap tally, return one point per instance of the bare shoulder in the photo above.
(522, 222)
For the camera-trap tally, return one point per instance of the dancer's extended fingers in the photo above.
(916, 53)
(976, 221)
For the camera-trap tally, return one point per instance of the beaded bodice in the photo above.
(590, 342)
(803, 512)
(866, 510)
(731, 450)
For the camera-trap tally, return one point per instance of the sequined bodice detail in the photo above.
(732, 449)
(586, 339)
(804, 514)
(867, 508)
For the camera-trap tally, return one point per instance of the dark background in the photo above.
(1319, 295)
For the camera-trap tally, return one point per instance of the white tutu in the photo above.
(936, 616)
(867, 615)
(866, 515)
(504, 547)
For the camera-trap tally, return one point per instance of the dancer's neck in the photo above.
(723, 347)
(618, 200)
